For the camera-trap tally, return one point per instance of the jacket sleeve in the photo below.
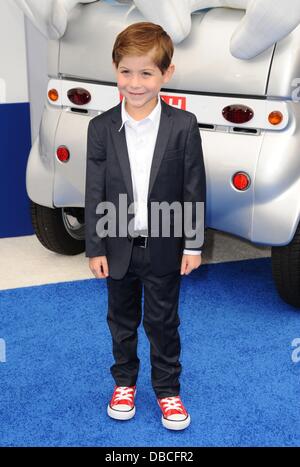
(94, 191)
(194, 190)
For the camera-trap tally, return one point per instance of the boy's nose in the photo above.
(135, 82)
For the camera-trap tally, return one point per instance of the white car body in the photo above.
(207, 79)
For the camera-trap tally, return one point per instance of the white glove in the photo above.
(265, 21)
(49, 16)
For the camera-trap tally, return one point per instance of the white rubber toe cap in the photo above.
(176, 422)
(120, 413)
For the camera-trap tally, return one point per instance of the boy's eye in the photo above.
(144, 73)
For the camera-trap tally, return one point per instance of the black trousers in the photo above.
(160, 320)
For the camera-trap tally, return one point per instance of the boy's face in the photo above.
(140, 80)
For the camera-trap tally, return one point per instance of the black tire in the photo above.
(55, 231)
(286, 270)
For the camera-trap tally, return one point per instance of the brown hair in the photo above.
(142, 38)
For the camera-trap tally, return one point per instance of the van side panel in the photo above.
(285, 71)
(53, 58)
(40, 167)
(225, 154)
(276, 204)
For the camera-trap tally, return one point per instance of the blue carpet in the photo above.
(238, 381)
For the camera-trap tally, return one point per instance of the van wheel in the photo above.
(286, 270)
(60, 230)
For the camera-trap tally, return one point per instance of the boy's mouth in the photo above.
(136, 93)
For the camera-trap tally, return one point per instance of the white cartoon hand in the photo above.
(265, 21)
(49, 16)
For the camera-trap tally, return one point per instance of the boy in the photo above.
(150, 153)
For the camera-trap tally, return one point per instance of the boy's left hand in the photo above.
(190, 262)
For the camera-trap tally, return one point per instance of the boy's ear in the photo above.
(169, 73)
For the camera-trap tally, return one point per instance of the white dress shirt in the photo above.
(141, 138)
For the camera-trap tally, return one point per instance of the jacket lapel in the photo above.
(119, 140)
(163, 134)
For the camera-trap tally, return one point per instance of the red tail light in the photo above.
(237, 113)
(79, 96)
(63, 154)
(241, 181)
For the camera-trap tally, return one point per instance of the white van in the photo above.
(247, 112)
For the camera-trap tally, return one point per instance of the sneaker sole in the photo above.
(176, 424)
(120, 414)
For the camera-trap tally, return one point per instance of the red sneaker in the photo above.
(174, 414)
(121, 406)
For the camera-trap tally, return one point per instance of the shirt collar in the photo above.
(153, 116)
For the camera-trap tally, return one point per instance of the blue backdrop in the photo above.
(15, 144)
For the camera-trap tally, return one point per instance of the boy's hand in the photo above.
(190, 262)
(99, 267)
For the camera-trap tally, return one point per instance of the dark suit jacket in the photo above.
(177, 174)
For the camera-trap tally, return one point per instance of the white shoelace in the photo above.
(170, 403)
(123, 392)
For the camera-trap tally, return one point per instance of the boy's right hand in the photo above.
(99, 267)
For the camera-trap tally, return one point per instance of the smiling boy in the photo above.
(151, 152)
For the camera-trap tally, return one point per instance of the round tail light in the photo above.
(79, 96)
(63, 154)
(53, 95)
(275, 118)
(237, 113)
(241, 181)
